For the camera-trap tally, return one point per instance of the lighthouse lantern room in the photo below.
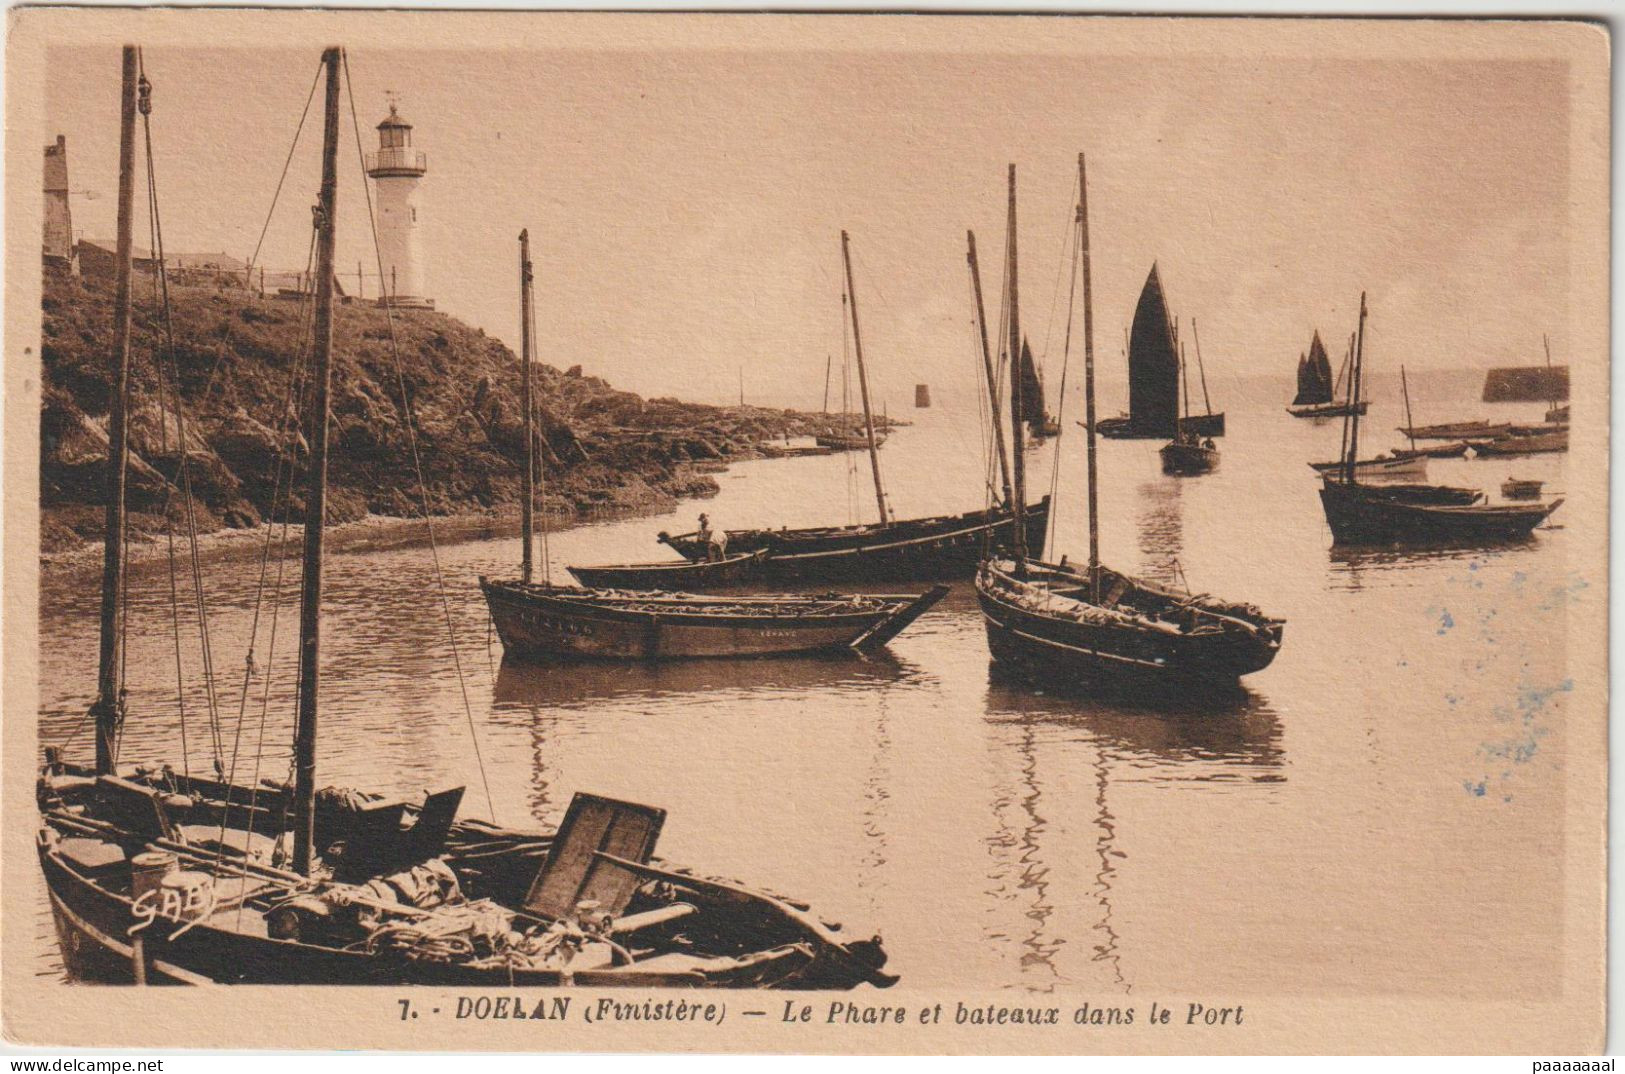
(396, 170)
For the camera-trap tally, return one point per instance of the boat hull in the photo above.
(1086, 655)
(1362, 517)
(914, 550)
(536, 624)
(1328, 410)
(1186, 460)
(1542, 444)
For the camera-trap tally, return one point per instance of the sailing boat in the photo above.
(160, 877)
(541, 620)
(945, 546)
(1317, 394)
(1153, 371)
(1155, 368)
(1098, 626)
(1412, 514)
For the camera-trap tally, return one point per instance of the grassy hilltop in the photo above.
(236, 353)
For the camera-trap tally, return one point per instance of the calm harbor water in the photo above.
(1378, 813)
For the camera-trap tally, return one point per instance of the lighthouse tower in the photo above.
(396, 169)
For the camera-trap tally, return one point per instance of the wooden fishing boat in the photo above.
(1099, 628)
(889, 550)
(688, 576)
(1329, 410)
(847, 441)
(537, 621)
(156, 876)
(1529, 444)
(1153, 371)
(945, 546)
(1514, 488)
(1360, 514)
(1439, 451)
(1041, 424)
(1383, 466)
(1456, 430)
(1558, 414)
(1363, 514)
(1045, 621)
(1189, 456)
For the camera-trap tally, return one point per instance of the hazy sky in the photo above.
(685, 209)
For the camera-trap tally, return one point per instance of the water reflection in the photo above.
(1353, 568)
(537, 687)
(1017, 847)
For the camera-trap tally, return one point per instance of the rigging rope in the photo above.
(417, 461)
(188, 500)
(1076, 247)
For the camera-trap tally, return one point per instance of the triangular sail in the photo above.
(1153, 364)
(1314, 376)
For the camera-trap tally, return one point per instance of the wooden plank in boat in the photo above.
(573, 871)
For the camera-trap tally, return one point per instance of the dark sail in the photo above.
(1153, 365)
(1032, 389)
(1314, 376)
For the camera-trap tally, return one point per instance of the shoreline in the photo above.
(372, 533)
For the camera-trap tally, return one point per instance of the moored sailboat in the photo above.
(157, 876)
(889, 550)
(1422, 514)
(1097, 627)
(1317, 392)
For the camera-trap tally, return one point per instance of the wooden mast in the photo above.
(863, 381)
(1089, 380)
(527, 519)
(109, 706)
(1201, 369)
(1356, 384)
(1018, 505)
(310, 604)
(828, 359)
(987, 364)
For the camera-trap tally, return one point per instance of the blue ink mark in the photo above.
(1477, 790)
(1445, 622)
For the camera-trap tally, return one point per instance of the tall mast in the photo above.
(527, 519)
(1089, 380)
(109, 706)
(828, 360)
(1410, 425)
(1200, 368)
(863, 381)
(1017, 448)
(1547, 343)
(310, 605)
(1356, 385)
(987, 364)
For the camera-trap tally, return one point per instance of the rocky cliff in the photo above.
(240, 362)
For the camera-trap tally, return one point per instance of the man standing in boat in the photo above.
(716, 542)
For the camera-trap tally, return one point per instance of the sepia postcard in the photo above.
(805, 533)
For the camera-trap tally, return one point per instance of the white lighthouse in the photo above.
(396, 170)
